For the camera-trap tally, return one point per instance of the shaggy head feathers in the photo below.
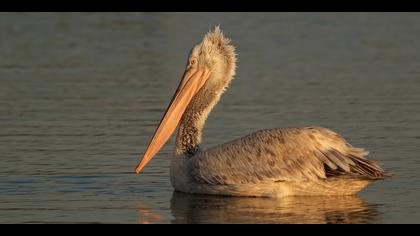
(216, 52)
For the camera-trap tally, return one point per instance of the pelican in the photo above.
(267, 163)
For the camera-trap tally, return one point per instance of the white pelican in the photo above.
(267, 163)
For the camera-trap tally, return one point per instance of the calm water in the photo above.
(81, 94)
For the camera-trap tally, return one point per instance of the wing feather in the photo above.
(310, 153)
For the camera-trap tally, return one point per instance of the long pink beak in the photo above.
(191, 83)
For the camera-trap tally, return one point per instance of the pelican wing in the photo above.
(310, 153)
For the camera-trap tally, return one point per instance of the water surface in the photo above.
(81, 95)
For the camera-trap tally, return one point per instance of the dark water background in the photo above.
(81, 94)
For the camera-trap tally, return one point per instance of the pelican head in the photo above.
(210, 68)
(216, 54)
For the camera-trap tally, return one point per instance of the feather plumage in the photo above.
(291, 154)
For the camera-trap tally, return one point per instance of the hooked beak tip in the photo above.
(138, 169)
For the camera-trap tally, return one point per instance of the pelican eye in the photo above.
(193, 62)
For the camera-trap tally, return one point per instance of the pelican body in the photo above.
(267, 163)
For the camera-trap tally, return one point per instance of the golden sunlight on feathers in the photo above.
(267, 163)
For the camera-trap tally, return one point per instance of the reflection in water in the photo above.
(189, 208)
(148, 216)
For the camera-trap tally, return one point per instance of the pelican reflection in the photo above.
(188, 208)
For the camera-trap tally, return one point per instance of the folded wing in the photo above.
(292, 154)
